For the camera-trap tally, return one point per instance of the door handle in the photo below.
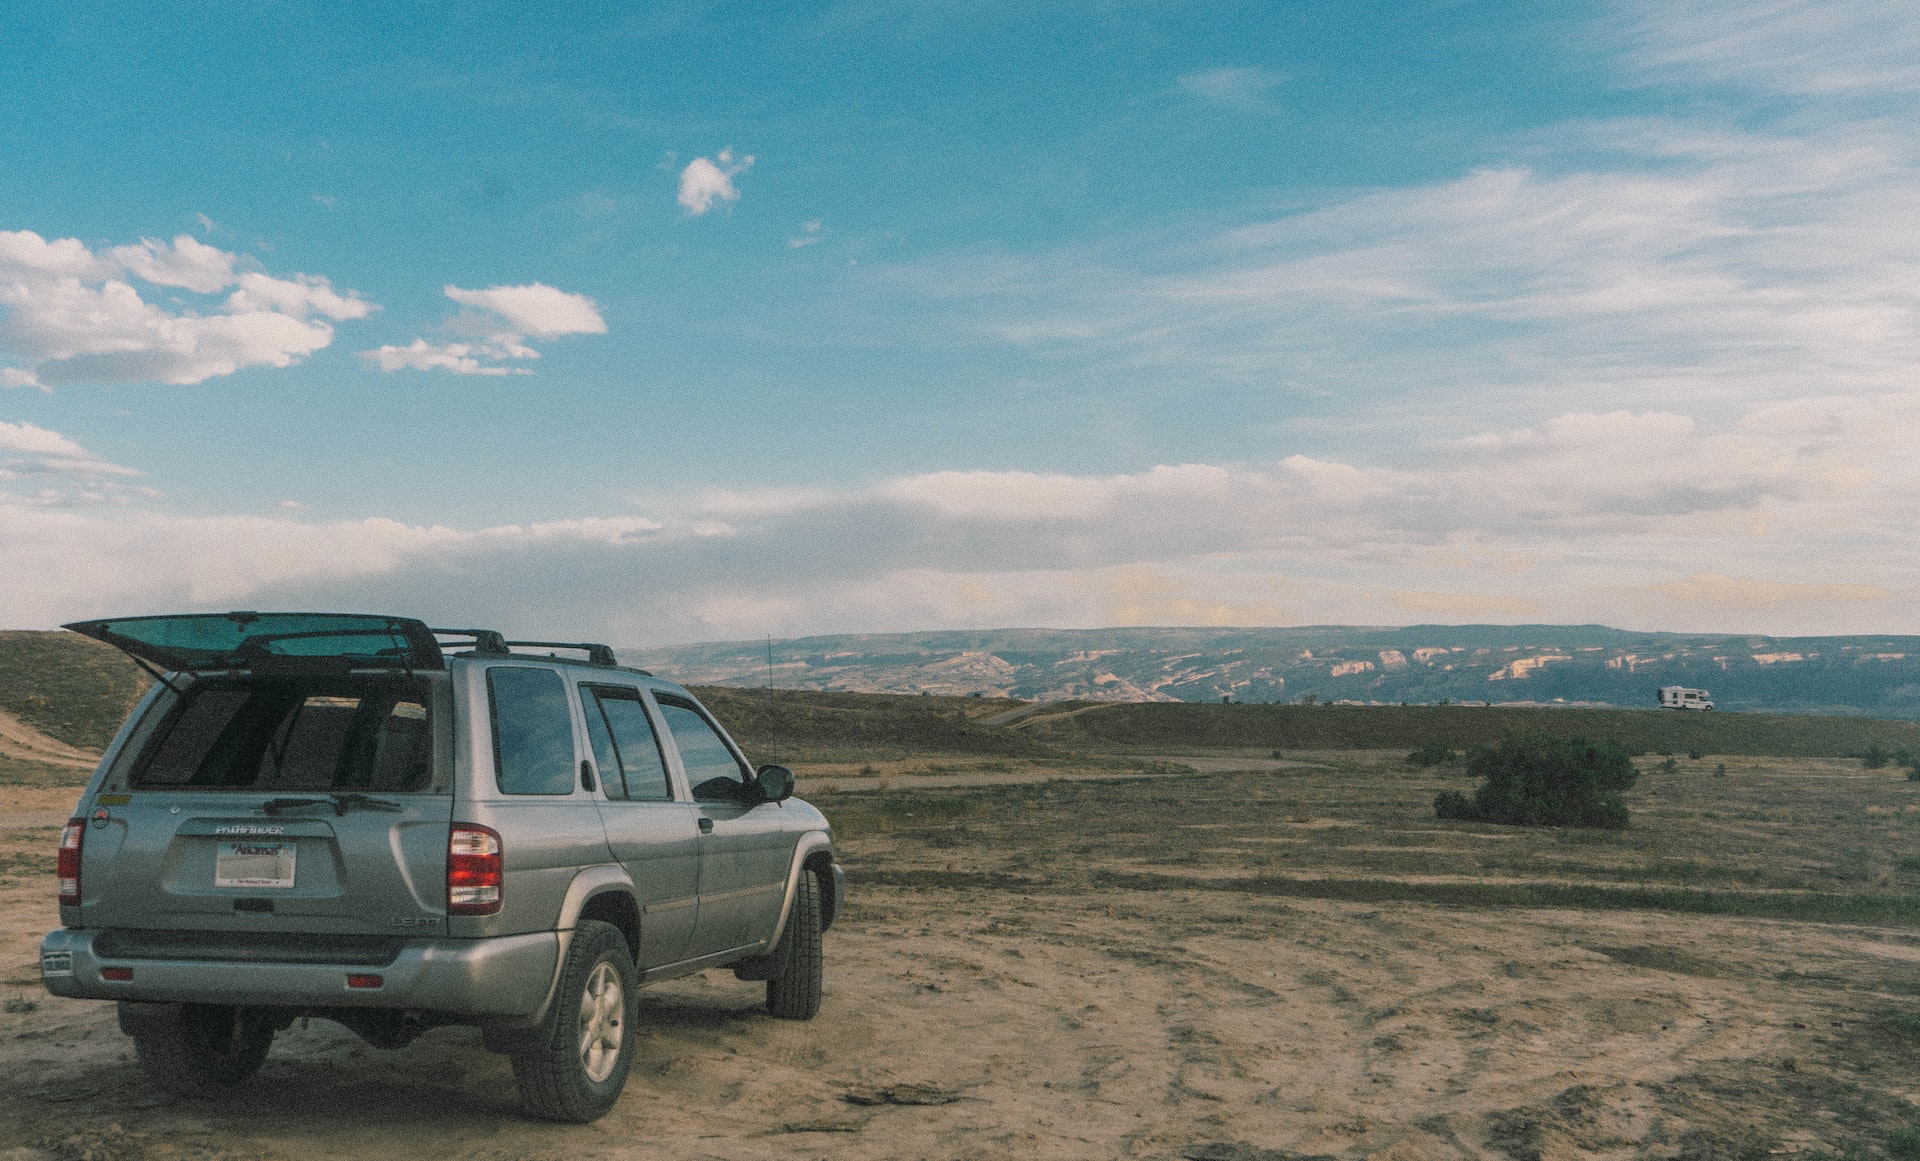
(586, 774)
(706, 825)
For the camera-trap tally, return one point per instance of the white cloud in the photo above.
(64, 473)
(1641, 265)
(1809, 47)
(1241, 88)
(73, 316)
(809, 234)
(704, 182)
(498, 321)
(459, 358)
(535, 310)
(187, 263)
(297, 297)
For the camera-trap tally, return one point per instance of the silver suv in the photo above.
(395, 827)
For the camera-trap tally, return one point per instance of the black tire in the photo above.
(793, 991)
(581, 1063)
(199, 1049)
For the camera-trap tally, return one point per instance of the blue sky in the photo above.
(689, 321)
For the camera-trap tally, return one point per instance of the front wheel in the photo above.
(581, 1065)
(793, 991)
(198, 1049)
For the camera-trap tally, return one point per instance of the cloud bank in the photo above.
(1793, 518)
(70, 315)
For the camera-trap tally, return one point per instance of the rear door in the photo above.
(650, 825)
(313, 803)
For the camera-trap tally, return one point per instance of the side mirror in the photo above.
(776, 783)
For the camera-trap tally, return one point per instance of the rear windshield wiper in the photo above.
(345, 802)
(341, 803)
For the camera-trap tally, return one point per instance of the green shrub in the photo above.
(1904, 1144)
(1875, 756)
(1431, 754)
(1696, 755)
(1537, 779)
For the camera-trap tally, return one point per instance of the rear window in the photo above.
(369, 734)
(532, 731)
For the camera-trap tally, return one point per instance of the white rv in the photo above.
(1680, 697)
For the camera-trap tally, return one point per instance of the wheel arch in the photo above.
(814, 852)
(820, 862)
(604, 893)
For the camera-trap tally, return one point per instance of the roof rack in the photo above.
(490, 643)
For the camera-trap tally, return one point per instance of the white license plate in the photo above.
(56, 963)
(254, 865)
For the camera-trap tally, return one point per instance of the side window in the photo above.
(712, 770)
(606, 758)
(630, 736)
(532, 731)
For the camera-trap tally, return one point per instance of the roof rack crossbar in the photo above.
(484, 640)
(596, 654)
(491, 643)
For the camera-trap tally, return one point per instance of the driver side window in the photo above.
(712, 771)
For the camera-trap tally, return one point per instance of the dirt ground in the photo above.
(991, 993)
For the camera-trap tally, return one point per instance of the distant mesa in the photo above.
(1563, 665)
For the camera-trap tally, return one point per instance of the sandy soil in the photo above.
(1097, 1026)
(1070, 1021)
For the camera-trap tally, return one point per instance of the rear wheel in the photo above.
(581, 1063)
(196, 1049)
(793, 991)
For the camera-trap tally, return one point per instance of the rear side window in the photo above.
(532, 731)
(312, 734)
(630, 762)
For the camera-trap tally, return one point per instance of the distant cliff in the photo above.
(1421, 664)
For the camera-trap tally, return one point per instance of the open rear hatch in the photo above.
(295, 782)
(205, 642)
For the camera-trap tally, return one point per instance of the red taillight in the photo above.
(473, 870)
(116, 973)
(68, 866)
(365, 981)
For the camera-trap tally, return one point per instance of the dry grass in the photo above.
(1799, 838)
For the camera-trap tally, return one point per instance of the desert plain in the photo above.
(1216, 953)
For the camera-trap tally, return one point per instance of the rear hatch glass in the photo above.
(289, 803)
(212, 641)
(353, 733)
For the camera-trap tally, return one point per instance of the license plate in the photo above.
(254, 865)
(56, 963)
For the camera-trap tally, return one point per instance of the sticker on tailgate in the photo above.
(254, 864)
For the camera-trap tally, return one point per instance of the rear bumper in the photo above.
(505, 976)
